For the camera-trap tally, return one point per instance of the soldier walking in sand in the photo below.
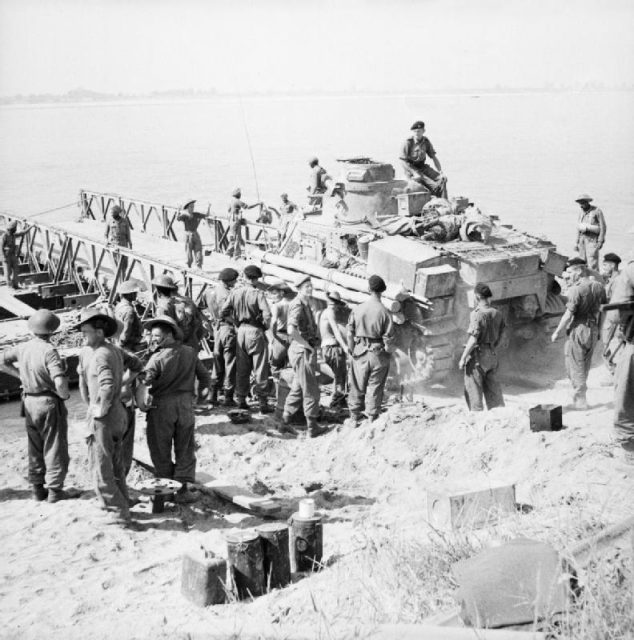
(580, 321)
(479, 358)
(45, 388)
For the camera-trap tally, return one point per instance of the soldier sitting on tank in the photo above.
(413, 156)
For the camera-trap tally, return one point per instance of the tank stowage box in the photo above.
(203, 578)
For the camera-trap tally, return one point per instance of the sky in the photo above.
(138, 46)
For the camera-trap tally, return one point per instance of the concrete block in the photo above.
(471, 508)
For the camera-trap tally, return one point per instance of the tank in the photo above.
(431, 253)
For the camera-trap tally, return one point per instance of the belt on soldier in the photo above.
(37, 394)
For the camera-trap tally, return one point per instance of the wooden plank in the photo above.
(238, 495)
(12, 304)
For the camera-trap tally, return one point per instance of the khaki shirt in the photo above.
(173, 370)
(486, 325)
(215, 299)
(39, 364)
(584, 301)
(247, 305)
(132, 331)
(371, 320)
(300, 315)
(593, 216)
(415, 153)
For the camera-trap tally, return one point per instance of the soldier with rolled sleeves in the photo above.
(224, 337)
(591, 230)
(479, 358)
(302, 354)
(251, 313)
(131, 336)
(370, 340)
(610, 335)
(44, 387)
(580, 320)
(414, 153)
(104, 369)
(170, 375)
(193, 244)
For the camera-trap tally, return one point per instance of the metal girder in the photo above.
(161, 220)
(80, 300)
(61, 289)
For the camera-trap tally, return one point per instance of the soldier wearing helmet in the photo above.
(591, 229)
(45, 388)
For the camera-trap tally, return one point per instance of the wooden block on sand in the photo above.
(470, 508)
(238, 495)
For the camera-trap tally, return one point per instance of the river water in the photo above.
(524, 157)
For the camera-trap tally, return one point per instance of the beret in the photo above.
(376, 284)
(252, 271)
(611, 257)
(576, 262)
(228, 274)
(419, 124)
(483, 290)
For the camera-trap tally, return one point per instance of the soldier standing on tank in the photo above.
(131, 336)
(370, 340)
(279, 340)
(10, 253)
(224, 337)
(610, 319)
(170, 375)
(103, 370)
(479, 358)
(414, 153)
(236, 222)
(318, 182)
(334, 346)
(624, 372)
(580, 320)
(248, 307)
(591, 230)
(302, 354)
(193, 244)
(45, 388)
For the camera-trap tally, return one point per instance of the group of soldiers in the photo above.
(123, 356)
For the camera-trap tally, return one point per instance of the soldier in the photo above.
(10, 253)
(170, 375)
(370, 340)
(610, 337)
(236, 222)
(580, 320)
(118, 233)
(224, 337)
(624, 373)
(288, 211)
(334, 347)
(278, 333)
(131, 336)
(44, 387)
(165, 288)
(318, 183)
(250, 311)
(193, 244)
(413, 156)
(302, 353)
(103, 370)
(479, 358)
(591, 230)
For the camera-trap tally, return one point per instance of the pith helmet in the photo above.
(43, 322)
(94, 314)
(166, 282)
(335, 296)
(584, 197)
(130, 286)
(165, 321)
(188, 204)
(237, 192)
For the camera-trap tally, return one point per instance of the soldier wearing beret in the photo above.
(591, 230)
(103, 370)
(224, 337)
(193, 244)
(248, 308)
(45, 387)
(580, 321)
(414, 153)
(236, 221)
(370, 340)
(9, 251)
(302, 354)
(479, 358)
(171, 374)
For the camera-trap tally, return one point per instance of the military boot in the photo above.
(39, 492)
(242, 404)
(286, 426)
(55, 495)
(315, 430)
(264, 406)
(354, 420)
